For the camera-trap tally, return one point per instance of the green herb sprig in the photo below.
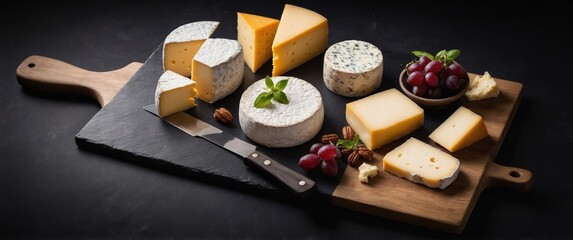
(275, 92)
(347, 143)
(444, 55)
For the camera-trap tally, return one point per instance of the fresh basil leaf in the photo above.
(422, 53)
(280, 97)
(281, 85)
(356, 139)
(453, 54)
(441, 54)
(346, 144)
(263, 100)
(270, 83)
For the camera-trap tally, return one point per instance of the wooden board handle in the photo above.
(47, 74)
(517, 179)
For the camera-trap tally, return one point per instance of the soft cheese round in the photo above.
(282, 125)
(192, 31)
(353, 68)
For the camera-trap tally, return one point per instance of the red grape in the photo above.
(420, 90)
(315, 147)
(309, 161)
(414, 67)
(338, 154)
(434, 66)
(456, 69)
(329, 168)
(415, 78)
(453, 82)
(424, 61)
(435, 92)
(327, 152)
(431, 79)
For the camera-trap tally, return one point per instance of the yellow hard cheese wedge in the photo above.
(302, 35)
(460, 130)
(383, 117)
(256, 35)
(174, 93)
(422, 163)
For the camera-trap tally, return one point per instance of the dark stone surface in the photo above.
(51, 189)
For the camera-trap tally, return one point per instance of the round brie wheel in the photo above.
(282, 125)
(353, 68)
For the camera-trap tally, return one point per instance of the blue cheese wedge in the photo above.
(422, 163)
(353, 68)
(174, 93)
(181, 45)
(282, 125)
(218, 68)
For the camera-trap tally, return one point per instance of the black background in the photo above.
(51, 189)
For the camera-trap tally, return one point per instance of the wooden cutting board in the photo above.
(123, 130)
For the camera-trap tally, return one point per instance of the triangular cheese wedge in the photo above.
(301, 36)
(174, 93)
(461, 129)
(256, 34)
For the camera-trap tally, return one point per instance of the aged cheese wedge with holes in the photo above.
(182, 44)
(461, 129)
(302, 35)
(282, 125)
(352, 68)
(422, 163)
(383, 117)
(256, 34)
(218, 69)
(174, 93)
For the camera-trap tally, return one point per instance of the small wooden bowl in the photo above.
(430, 102)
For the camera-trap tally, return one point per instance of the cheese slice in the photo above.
(461, 129)
(383, 117)
(256, 34)
(302, 35)
(182, 44)
(174, 93)
(352, 68)
(218, 68)
(282, 125)
(422, 163)
(482, 87)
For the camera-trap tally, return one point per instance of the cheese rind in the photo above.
(218, 69)
(383, 117)
(482, 88)
(256, 34)
(366, 171)
(282, 125)
(353, 68)
(302, 35)
(461, 129)
(174, 93)
(181, 45)
(422, 163)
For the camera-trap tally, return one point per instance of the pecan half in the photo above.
(365, 153)
(330, 138)
(353, 158)
(223, 115)
(346, 151)
(348, 133)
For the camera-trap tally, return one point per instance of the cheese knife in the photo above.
(298, 184)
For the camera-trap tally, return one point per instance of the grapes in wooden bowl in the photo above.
(434, 81)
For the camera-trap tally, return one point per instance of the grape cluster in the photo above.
(436, 78)
(324, 155)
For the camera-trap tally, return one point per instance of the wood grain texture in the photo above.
(47, 74)
(447, 210)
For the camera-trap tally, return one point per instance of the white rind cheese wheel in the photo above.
(282, 125)
(183, 43)
(218, 68)
(353, 68)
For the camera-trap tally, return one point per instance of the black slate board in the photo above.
(124, 130)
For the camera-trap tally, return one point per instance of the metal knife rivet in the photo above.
(255, 155)
(267, 162)
(302, 183)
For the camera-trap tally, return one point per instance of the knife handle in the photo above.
(297, 183)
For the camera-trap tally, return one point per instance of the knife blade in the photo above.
(298, 184)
